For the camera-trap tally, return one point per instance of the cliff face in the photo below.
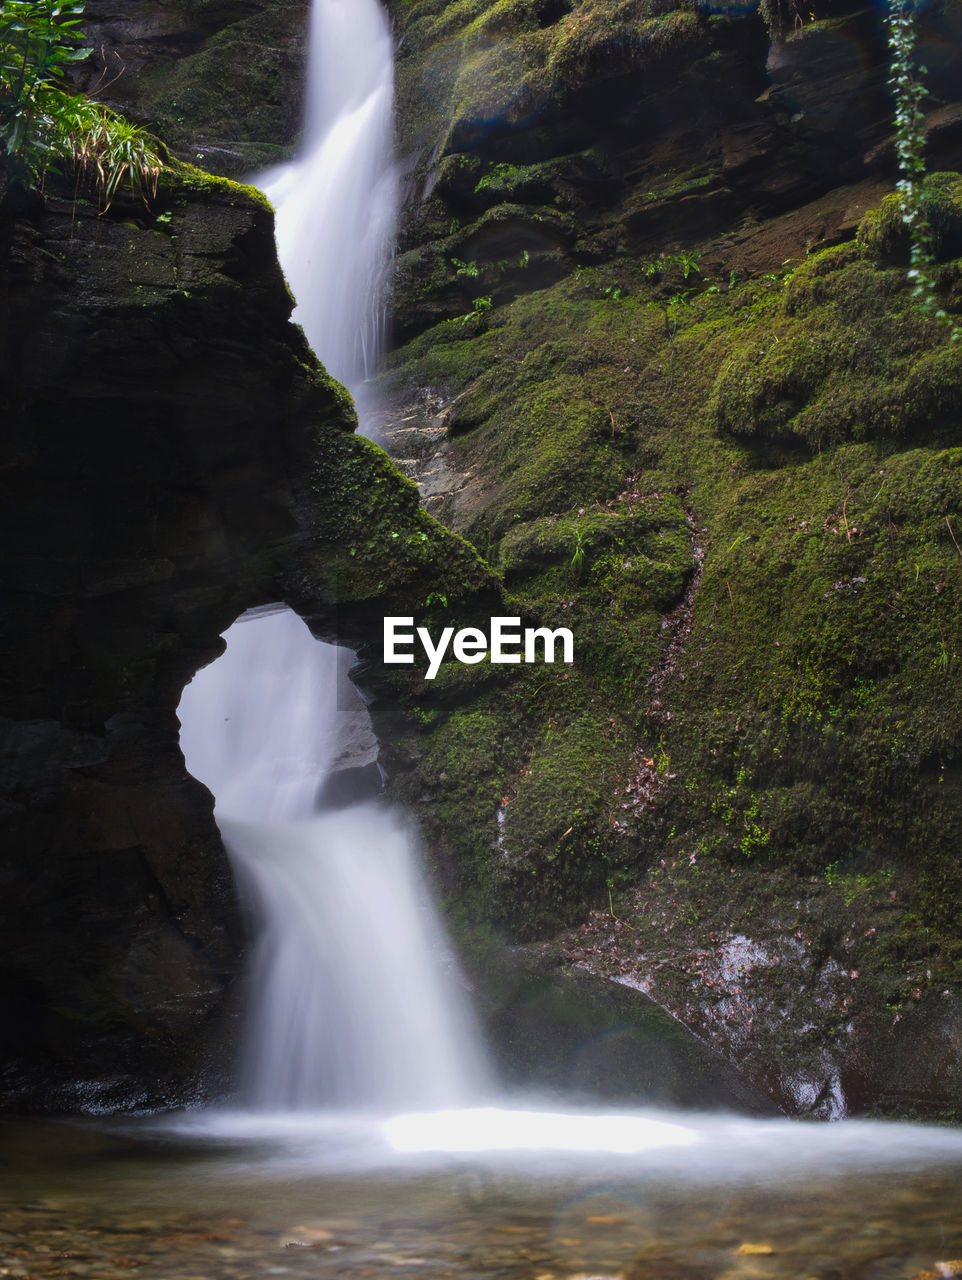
(222, 83)
(658, 358)
(172, 455)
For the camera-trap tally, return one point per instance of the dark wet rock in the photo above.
(345, 787)
(221, 82)
(557, 1028)
(172, 455)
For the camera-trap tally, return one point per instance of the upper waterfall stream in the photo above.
(336, 203)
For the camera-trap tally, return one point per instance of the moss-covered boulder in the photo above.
(885, 232)
(557, 1029)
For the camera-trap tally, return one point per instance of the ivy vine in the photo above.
(906, 79)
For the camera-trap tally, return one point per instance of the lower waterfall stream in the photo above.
(350, 1006)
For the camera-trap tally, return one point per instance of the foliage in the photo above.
(105, 150)
(578, 556)
(44, 125)
(906, 79)
(33, 58)
(479, 311)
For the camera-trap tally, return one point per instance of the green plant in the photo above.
(479, 311)
(578, 556)
(687, 262)
(34, 54)
(906, 80)
(465, 270)
(44, 125)
(496, 173)
(105, 150)
(858, 885)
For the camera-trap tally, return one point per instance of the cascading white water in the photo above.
(336, 204)
(350, 1004)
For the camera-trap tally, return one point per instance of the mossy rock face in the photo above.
(507, 62)
(846, 356)
(220, 82)
(725, 458)
(378, 552)
(545, 406)
(508, 111)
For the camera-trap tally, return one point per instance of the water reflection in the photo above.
(881, 1202)
(709, 1198)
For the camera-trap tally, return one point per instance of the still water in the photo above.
(215, 1197)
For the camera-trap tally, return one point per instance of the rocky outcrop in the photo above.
(222, 83)
(172, 455)
(658, 358)
(554, 1030)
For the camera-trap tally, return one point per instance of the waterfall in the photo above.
(336, 204)
(351, 1005)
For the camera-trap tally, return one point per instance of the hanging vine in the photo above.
(908, 86)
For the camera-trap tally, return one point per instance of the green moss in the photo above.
(621, 423)
(740, 491)
(181, 177)
(817, 676)
(845, 356)
(823, 627)
(623, 561)
(604, 39)
(501, 61)
(885, 235)
(381, 544)
(560, 807)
